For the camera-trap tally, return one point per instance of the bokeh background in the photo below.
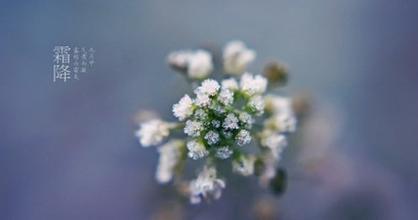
(67, 150)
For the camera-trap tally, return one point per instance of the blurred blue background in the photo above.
(67, 150)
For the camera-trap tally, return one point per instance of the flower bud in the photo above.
(276, 73)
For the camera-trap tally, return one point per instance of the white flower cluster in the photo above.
(221, 121)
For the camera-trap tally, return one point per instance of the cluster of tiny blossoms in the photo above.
(231, 119)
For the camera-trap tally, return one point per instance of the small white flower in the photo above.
(170, 154)
(230, 122)
(212, 137)
(208, 87)
(226, 97)
(253, 85)
(202, 100)
(243, 137)
(274, 141)
(244, 165)
(196, 150)
(246, 119)
(184, 108)
(193, 128)
(200, 65)
(236, 57)
(153, 132)
(256, 103)
(206, 186)
(179, 59)
(230, 84)
(223, 152)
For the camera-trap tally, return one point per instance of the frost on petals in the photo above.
(206, 186)
(193, 128)
(209, 87)
(236, 57)
(153, 132)
(184, 108)
(243, 137)
(196, 150)
(230, 122)
(223, 152)
(226, 97)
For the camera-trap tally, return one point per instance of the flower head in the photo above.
(193, 128)
(197, 64)
(153, 132)
(230, 84)
(184, 108)
(221, 120)
(196, 149)
(237, 57)
(253, 85)
(206, 186)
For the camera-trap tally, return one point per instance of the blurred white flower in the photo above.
(153, 132)
(198, 64)
(278, 104)
(184, 108)
(274, 141)
(252, 85)
(206, 186)
(170, 154)
(236, 57)
(244, 165)
(230, 84)
(282, 122)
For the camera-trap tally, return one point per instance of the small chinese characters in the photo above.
(70, 62)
